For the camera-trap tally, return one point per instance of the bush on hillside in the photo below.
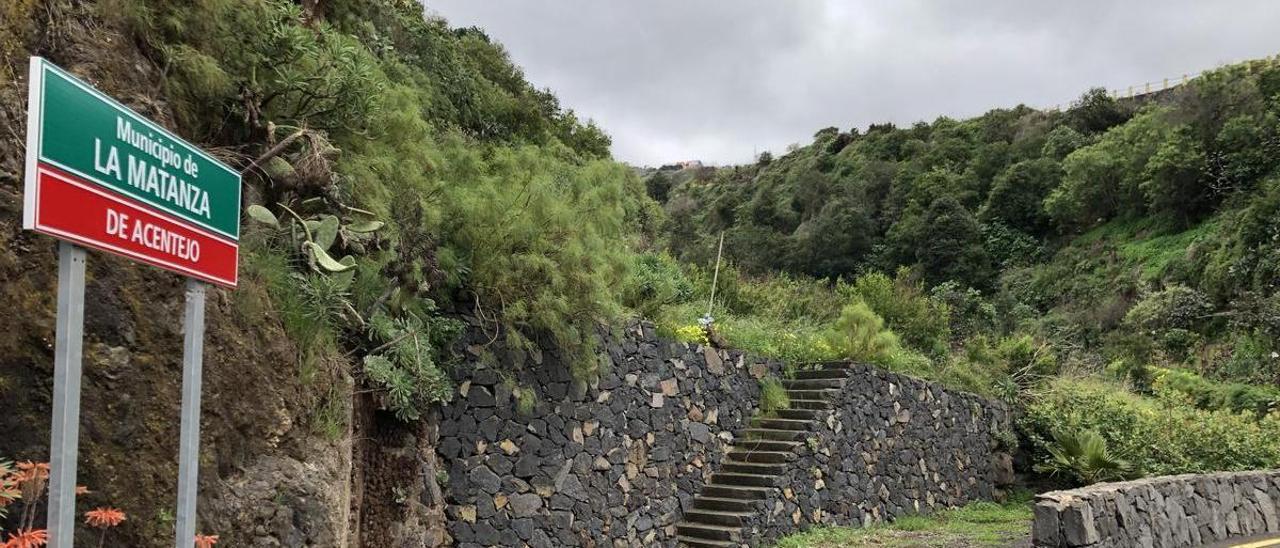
(655, 281)
(1061, 141)
(1017, 196)
(1101, 181)
(860, 335)
(1158, 438)
(971, 313)
(1179, 386)
(951, 246)
(902, 303)
(1083, 458)
(1174, 307)
(494, 195)
(1096, 111)
(1253, 359)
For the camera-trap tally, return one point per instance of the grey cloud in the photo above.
(716, 80)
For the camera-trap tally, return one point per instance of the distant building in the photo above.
(677, 166)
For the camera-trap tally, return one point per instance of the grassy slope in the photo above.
(977, 524)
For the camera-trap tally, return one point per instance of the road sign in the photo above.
(100, 175)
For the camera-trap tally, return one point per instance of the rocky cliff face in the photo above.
(268, 477)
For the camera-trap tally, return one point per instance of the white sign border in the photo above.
(35, 117)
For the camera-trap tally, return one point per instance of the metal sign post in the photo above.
(189, 442)
(65, 438)
(100, 175)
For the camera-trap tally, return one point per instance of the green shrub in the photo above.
(1026, 360)
(1175, 307)
(655, 281)
(1010, 247)
(526, 399)
(1180, 387)
(859, 334)
(1061, 141)
(773, 396)
(1017, 194)
(793, 342)
(1157, 438)
(902, 303)
(970, 312)
(950, 246)
(1253, 359)
(405, 365)
(1101, 181)
(1083, 457)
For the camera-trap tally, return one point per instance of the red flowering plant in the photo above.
(22, 483)
(103, 518)
(26, 538)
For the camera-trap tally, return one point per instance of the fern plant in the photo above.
(1083, 457)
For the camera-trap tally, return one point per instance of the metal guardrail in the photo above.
(1164, 84)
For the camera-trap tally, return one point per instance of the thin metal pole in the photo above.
(715, 278)
(65, 438)
(189, 442)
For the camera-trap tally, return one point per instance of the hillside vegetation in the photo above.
(1112, 267)
(403, 182)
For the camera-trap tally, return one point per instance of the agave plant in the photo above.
(1082, 455)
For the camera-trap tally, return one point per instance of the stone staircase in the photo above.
(757, 460)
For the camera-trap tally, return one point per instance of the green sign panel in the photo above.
(88, 134)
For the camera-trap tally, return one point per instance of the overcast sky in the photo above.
(718, 80)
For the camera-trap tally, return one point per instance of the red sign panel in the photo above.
(79, 211)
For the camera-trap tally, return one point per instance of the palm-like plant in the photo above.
(1083, 456)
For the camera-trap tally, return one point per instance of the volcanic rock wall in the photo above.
(893, 446)
(537, 459)
(1185, 510)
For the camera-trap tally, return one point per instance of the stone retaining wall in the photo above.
(617, 462)
(1186, 510)
(894, 446)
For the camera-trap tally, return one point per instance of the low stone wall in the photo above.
(618, 462)
(1186, 510)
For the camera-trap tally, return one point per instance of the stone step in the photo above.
(763, 457)
(822, 374)
(766, 445)
(717, 517)
(798, 414)
(814, 384)
(708, 531)
(782, 424)
(800, 403)
(812, 394)
(704, 542)
(739, 492)
(836, 365)
(763, 468)
(772, 434)
(702, 502)
(743, 480)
